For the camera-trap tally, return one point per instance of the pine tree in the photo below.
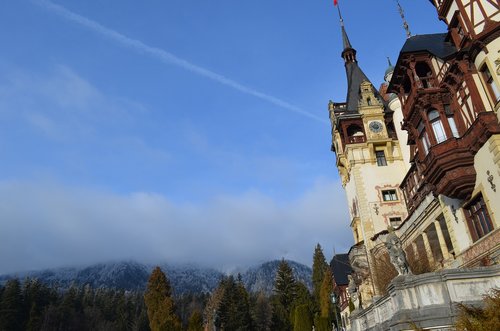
(234, 309)
(325, 300)
(285, 285)
(11, 307)
(285, 293)
(195, 322)
(262, 312)
(318, 272)
(303, 318)
(159, 303)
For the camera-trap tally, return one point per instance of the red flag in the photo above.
(335, 2)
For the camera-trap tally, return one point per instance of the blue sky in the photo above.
(179, 130)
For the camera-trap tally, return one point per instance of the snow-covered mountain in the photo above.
(184, 278)
(261, 277)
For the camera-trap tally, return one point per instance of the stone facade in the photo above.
(427, 301)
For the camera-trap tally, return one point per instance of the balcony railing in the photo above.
(356, 139)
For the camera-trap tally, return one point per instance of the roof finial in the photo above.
(405, 23)
(345, 38)
(389, 61)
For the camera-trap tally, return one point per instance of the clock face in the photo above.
(376, 126)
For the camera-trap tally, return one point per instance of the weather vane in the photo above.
(405, 23)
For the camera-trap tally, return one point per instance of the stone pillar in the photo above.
(442, 242)
(428, 249)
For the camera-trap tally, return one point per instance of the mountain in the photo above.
(261, 277)
(184, 278)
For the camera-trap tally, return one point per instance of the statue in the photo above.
(397, 254)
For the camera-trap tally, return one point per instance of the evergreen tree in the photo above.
(325, 299)
(262, 312)
(11, 307)
(285, 293)
(285, 285)
(319, 268)
(303, 318)
(195, 322)
(234, 309)
(159, 303)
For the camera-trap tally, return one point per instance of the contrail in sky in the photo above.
(169, 58)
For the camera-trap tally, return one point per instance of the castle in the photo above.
(419, 158)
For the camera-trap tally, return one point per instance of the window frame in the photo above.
(391, 193)
(478, 218)
(493, 89)
(380, 158)
(436, 123)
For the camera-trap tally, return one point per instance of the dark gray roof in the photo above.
(435, 44)
(355, 76)
(341, 268)
(345, 38)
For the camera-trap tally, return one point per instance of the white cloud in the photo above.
(45, 224)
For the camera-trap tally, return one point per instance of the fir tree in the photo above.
(303, 318)
(234, 309)
(325, 300)
(159, 303)
(11, 307)
(195, 322)
(285, 293)
(319, 268)
(285, 285)
(262, 312)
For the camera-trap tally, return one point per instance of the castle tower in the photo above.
(370, 164)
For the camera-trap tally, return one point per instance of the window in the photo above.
(492, 86)
(437, 125)
(381, 161)
(478, 218)
(395, 221)
(453, 127)
(424, 137)
(389, 195)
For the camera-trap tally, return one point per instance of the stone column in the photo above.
(442, 242)
(428, 249)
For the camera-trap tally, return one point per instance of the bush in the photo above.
(473, 318)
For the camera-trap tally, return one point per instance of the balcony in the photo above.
(414, 188)
(449, 166)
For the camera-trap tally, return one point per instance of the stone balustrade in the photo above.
(427, 300)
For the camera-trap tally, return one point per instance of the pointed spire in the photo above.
(389, 62)
(355, 76)
(349, 53)
(345, 38)
(405, 23)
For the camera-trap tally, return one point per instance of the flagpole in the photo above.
(336, 4)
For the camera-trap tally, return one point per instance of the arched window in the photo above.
(437, 125)
(355, 134)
